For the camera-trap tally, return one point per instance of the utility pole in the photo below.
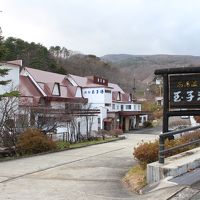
(134, 89)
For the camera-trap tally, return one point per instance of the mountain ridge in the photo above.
(143, 66)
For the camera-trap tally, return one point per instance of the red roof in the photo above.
(46, 82)
(115, 87)
(37, 84)
(125, 97)
(42, 83)
(46, 77)
(86, 82)
(27, 88)
(15, 62)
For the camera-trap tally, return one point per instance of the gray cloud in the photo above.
(106, 26)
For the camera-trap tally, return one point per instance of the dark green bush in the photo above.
(33, 141)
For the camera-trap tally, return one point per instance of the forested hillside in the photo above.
(143, 66)
(61, 60)
(120, 68)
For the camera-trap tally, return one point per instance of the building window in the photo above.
(107, 104)
(122, 107)
(119, 96)
(128, 107)
(99, 120)
(107, 91)
(113, 106)
(117, 107)
(56, 89)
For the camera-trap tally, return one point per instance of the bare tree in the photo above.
(8, 111)
(89, 113)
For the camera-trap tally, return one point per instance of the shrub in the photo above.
(147, 152)
(115, 132)
(147, 124)
(158, 114)
(177, 123)
(33, 141)
(197, 118)
(103, 133)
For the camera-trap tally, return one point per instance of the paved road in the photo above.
(91, 173)
(148, 131)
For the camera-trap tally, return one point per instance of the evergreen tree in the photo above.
(2, 47)
(4, 72)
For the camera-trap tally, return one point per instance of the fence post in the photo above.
(161, 148)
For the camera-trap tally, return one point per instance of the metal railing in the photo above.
(166, 135)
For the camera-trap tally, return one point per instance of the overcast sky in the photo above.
(106, 26)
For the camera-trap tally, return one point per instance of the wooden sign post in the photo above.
(181, 95)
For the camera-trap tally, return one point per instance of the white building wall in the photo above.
(13, 75)
(93, 121)
(108, 100)
(103, 115)
(117, 107)
(78, 92)
(10, 106)
(96, 96)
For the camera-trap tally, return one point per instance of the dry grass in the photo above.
(135, 179)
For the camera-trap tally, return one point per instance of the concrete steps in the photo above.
(174, 166)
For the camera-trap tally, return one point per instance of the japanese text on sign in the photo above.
(185, 91)
(95, 91)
